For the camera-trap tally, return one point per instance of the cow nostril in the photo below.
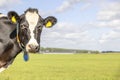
(30, 46)
(37, 48)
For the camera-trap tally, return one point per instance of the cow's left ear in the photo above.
(50, 21)
(13, 17)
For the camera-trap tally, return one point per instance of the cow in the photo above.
(21, 33)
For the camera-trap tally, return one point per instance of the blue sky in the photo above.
(82, 24)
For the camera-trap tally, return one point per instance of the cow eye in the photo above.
(23, 27)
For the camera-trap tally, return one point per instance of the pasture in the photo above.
(64, 67)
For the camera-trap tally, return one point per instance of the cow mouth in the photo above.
(30, 49)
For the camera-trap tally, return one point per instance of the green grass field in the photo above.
(64, 67)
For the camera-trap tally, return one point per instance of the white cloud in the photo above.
(68, 4)
(2, 2)
(110, 41)
(65, 5)
(8, 3)
(75, 35)
(109, 17)
(113, 24)
(109, 11)
(112, 35)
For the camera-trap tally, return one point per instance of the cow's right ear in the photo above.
(13, 17)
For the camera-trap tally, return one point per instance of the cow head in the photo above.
(30, 26)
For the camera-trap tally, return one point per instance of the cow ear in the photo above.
(50, 21)
(13, 17)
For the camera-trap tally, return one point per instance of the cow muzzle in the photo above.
(32, 48)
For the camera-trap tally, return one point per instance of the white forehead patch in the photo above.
(32, 19)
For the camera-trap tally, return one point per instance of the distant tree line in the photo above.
(62, 50)
(110, 52)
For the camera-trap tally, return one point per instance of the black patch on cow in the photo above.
(8, 46)
(1, 40)
(13, 34)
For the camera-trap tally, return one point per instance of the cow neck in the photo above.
(25, 55)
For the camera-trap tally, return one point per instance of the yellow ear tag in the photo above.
(13, 19)
(49, 24)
